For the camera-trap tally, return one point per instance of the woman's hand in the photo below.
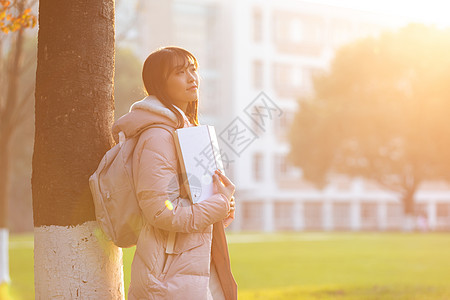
(227, 221)
(223, 185)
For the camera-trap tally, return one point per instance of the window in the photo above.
(442, 216)
(296, 30)
(283, 168)
(281, 75)
(284, 215)
(299, 34)
(280, 166)
(257, 25)
(258, 74)
(313, 216)
(341, 216)
(258, 166)
(252, 215)
(291, 80)
(257, 127)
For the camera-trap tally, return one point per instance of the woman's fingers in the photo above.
(224, 185)
(232, 205)
(220, 187)
(224, 178)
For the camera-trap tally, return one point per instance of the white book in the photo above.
(199, 155)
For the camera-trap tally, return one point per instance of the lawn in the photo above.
(310, 266)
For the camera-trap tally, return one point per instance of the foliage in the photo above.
(12, 17)
(128, 86)
(380, 113)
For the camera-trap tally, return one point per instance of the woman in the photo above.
(181, 252)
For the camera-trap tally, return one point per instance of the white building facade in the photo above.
(257, 59)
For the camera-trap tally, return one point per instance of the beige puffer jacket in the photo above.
(181, 269)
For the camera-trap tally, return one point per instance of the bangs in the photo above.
(178, 61)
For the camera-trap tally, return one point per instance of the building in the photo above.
(257, 58)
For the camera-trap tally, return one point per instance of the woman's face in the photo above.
(182, 84)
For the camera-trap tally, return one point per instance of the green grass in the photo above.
(312, 266)
(344, 266)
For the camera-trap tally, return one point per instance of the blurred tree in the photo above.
(73, 117)
(20, 217)
(128, 86)
(14, 18)
(381, 113)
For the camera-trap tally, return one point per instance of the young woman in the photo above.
(181, 251)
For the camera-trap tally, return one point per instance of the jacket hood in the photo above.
(143, 113)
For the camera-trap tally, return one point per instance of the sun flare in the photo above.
(428, 12)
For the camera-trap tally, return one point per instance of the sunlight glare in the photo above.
(431, 12)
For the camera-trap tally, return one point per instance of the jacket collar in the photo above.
(152, 104)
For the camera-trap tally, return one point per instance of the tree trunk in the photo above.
(4, 232)
(408, 202)
(74, 114)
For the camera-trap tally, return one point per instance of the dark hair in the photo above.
(157, 68)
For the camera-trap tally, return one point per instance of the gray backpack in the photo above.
(112, 187)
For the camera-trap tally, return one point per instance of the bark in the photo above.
(4, 180)
(73, 117)
(74, 106)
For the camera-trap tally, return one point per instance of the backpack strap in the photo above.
(171, 237)
(157, 125)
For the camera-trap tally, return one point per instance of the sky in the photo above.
(432, 12)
